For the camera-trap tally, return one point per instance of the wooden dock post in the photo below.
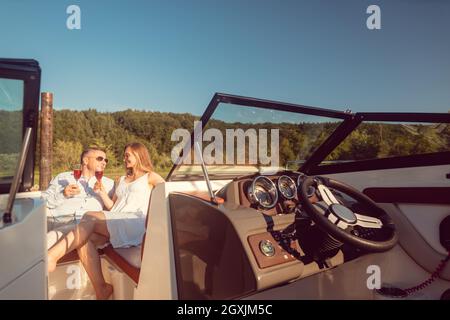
(45, 164)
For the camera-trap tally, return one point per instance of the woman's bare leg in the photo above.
(91, 222)
(91, 262)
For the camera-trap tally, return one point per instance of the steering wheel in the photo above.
(341, 222)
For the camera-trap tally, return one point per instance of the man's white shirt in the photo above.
(87, 200)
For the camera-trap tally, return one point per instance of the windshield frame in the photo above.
(263, 104)
(351, 121)
(416, 160)
(28, 71)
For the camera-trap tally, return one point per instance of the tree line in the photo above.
(76, 130)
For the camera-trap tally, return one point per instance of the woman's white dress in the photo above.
(126, 220)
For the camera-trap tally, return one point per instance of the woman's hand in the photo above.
(99, 188)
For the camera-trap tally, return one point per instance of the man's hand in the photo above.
(71, 190)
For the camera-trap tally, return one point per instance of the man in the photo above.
(68, 199)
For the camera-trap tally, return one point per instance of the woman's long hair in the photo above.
(143, 161)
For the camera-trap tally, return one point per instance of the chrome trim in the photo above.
(252, 197)
(293, 182)
(205, 173)
(267, 244)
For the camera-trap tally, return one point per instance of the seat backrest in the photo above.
(146, 222)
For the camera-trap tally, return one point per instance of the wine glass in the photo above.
(77, 175)
(76, 171)
(99, 175)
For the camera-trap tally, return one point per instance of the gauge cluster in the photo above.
(263, 192)
(269, 192)
(287, 187)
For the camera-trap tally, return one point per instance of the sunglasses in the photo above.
(100, 159)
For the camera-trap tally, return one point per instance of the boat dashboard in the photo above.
(274, 194)
(260, 228)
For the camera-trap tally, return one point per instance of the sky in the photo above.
(174, 55)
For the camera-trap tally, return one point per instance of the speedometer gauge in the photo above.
(263, 192)
(287, 187)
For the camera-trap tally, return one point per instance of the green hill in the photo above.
(75, 130)
(297, 141)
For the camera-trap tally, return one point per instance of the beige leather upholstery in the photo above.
(426, 220)
(131, 255)
(415, 244)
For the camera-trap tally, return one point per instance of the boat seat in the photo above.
(131, 255)
(127, 259)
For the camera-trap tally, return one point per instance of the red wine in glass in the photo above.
(99, 175)
(76, 171)
(77, 174)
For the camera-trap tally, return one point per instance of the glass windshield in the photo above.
(11, 105)
(377, 140)
(239, 140)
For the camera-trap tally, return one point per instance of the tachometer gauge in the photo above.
(287, 187)
(263, 192)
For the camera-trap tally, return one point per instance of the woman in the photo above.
(123, 225)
